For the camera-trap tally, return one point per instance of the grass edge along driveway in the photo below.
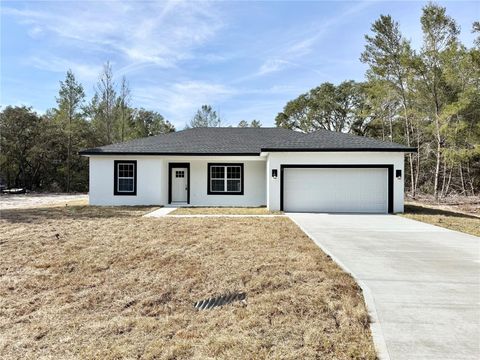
(468, 224)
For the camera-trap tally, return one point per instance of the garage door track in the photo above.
(422, 281)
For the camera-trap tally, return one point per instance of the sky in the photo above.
(246, 59)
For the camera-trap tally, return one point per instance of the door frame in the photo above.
(173, 166)
(389, 167)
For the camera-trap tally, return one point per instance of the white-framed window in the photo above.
(179, 174)
(125, 177)
(225, 179)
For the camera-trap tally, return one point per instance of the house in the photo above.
(279, 168)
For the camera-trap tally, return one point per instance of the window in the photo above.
(179, 174)
(225, 179)
(125, 176)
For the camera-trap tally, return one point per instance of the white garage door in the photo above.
(360, 190)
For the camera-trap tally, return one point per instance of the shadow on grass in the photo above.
(75, 212)
(421, 210)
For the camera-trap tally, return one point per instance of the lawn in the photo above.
(87, 282)
(469, 224)
(224, 211)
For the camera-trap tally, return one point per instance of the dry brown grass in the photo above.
(224, 211)
(469, 224)
(115, 285)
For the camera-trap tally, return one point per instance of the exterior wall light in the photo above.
(398, 174)
(274, 173)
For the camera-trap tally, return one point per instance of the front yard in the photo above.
(87, 282)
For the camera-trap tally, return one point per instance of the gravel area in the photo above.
(22, 201)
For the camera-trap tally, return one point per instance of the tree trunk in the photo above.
(69, 149)
(462, 181)
(410, 158)
(417, 175)
(444, 178)
(439, 146)
(447, 188)
(470, 179)
(391, 127)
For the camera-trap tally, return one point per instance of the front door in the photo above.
(179, 184)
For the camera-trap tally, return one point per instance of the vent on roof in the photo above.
(219, 301)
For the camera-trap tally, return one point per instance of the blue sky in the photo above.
(247, 59)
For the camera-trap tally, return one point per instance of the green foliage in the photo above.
(27, 144)
(336, 108)
(41, 152)
(73, 127)
(149, 123)
(253, 123)
(206, 116)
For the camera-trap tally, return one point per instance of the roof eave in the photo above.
(403, 149)
(130, 153)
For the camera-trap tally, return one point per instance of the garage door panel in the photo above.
(336, 190)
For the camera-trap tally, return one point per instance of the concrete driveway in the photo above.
(421, 282)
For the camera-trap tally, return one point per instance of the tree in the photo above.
(381, 106)
(440, 34)
(205, 117)
(330, 107)
(102, 107)
(150, 123)
(27, 147)
(253, 123)
(476, 30)
(124, 110)
(68, 116)
(389, 57)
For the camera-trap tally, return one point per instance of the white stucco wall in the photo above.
(259, 186)
(149, 181)
(152, 181)
(275, 159)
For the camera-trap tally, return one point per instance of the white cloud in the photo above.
(162, 33)
(83, 71)
(272, 65)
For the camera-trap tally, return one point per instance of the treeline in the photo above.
(40, 152)
(428, 98)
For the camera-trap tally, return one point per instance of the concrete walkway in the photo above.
(421, 282)
(160, 212)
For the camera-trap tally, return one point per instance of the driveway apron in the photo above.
(422, 282)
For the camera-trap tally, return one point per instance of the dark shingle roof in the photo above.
(243, 141)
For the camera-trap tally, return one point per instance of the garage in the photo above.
(337, 188)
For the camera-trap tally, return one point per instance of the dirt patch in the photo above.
(463, 204)
(224, 211)
(21, 201)
(87, 282)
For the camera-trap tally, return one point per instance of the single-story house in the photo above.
(278, 168)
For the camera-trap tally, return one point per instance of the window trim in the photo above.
(225, 192)
(115, 178)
